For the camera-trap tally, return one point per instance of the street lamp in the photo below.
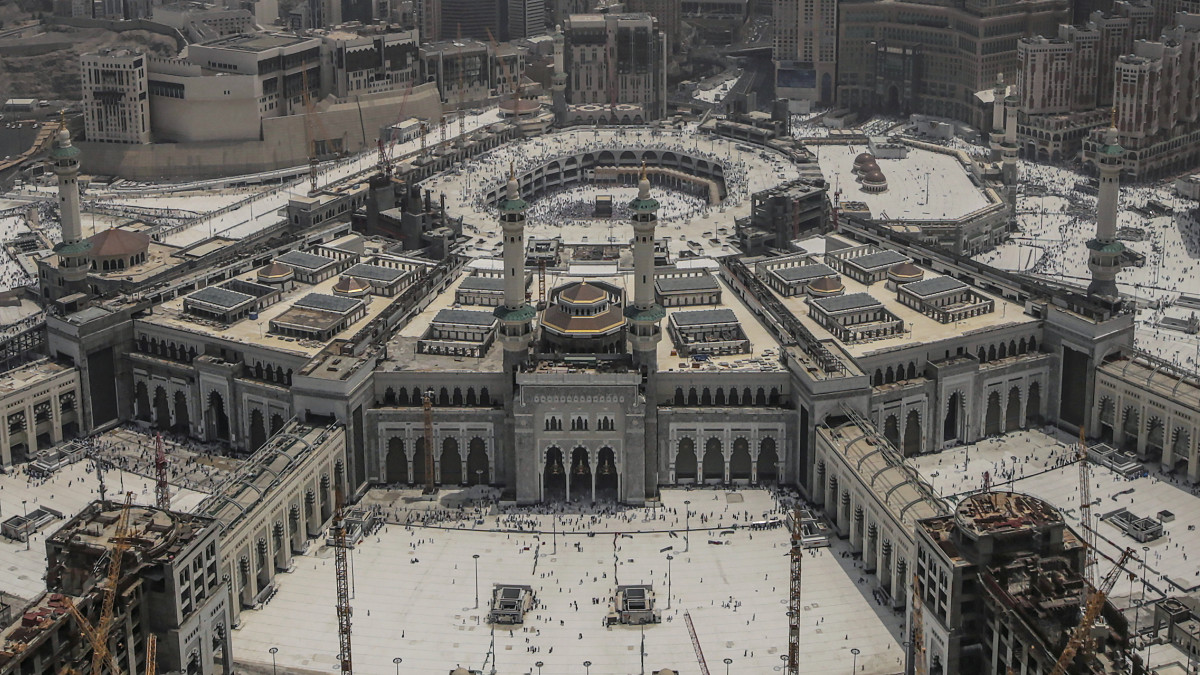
(855, 652)
(274, 651)
(687, 527)
(476, 557)
(29, 534)
(587, 667)
(669, 559)
(397, 661)
(1145, 557)
(539, 665)
(727, 662)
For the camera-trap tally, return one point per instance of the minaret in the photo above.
(558, 85)
(1009, 149)
(644, 315)
(516, 316)
(997, 135)
(1106, 255)
(72, 252)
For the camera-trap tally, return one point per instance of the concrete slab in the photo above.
(415, 595)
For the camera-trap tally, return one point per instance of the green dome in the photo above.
(513, 205)
(64, 152)
(644, 205)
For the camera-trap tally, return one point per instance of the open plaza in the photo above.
(416, 588)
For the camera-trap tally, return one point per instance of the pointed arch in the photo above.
(714, 460)
(912, 433)
(1012, 412)
(396, 471)
(685, 461)
(991, 425)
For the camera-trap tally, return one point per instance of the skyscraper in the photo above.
(805, 49)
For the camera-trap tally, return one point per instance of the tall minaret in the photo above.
(1009, 149)
(1106, 255)
(997, 135)
(644, 315)
(516, 316)
(72, 252)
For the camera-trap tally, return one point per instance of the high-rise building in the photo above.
(666, 12)
(1000, 586)
(368, 62)
(805, 49)
(1156, 98)
(616, 60)
(932, 58)
(475, 19)
(526, 19)
(115, 104)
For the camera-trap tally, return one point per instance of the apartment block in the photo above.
(616, 59)
(116, 107)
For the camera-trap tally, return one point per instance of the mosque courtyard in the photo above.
(733, 583)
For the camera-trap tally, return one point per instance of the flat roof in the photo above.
(465, 317)
(219, 297)
(695, 282)
(846, 303)
(934, 286)
(804, 272)
(375, 272)
(704, 317)
(878, 259)
(307, 261)
(327, 303)
(478, 283)
(256, 42)
(20, 378)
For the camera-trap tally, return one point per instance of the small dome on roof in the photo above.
(351, 286)
(874, 176)
(826, 286)
(906, 272)
(582, 293)
(276, 271)
(864, 158)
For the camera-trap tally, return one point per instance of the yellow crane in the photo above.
(1091, 611)
(918, 637)
(98, 635)
(151, 654)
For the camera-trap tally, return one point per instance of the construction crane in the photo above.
(795, 606)
(427, 404)
(918, 629)
(541, 282)
(1095, 603)
(341, 567)
(687, 617)
(1085, 511)
(162, 489)
(151, 654)
(98, 635)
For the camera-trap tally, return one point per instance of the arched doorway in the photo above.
(477, 462)
(1106, 419)
(891, 430)
(1155, 439)
(991, 425)
(768, 461)
(739, 460)
(142, 401)
(1130, 429)
(1033, 404)
(606, 474)
(580, 487)
(218, 420)
(162, 409)
(451, 462)
(258, 430)
(950, 428)
(1012, 414)
(397, 462)
(714, 461)
(276, 423)
(554, 476)
(912, 434)
(685, 461)
(183, 421)
(418, 464)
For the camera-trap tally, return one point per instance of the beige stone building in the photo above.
(41, 408)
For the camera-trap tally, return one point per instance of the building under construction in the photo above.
(1002, 591)
(167, 585)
